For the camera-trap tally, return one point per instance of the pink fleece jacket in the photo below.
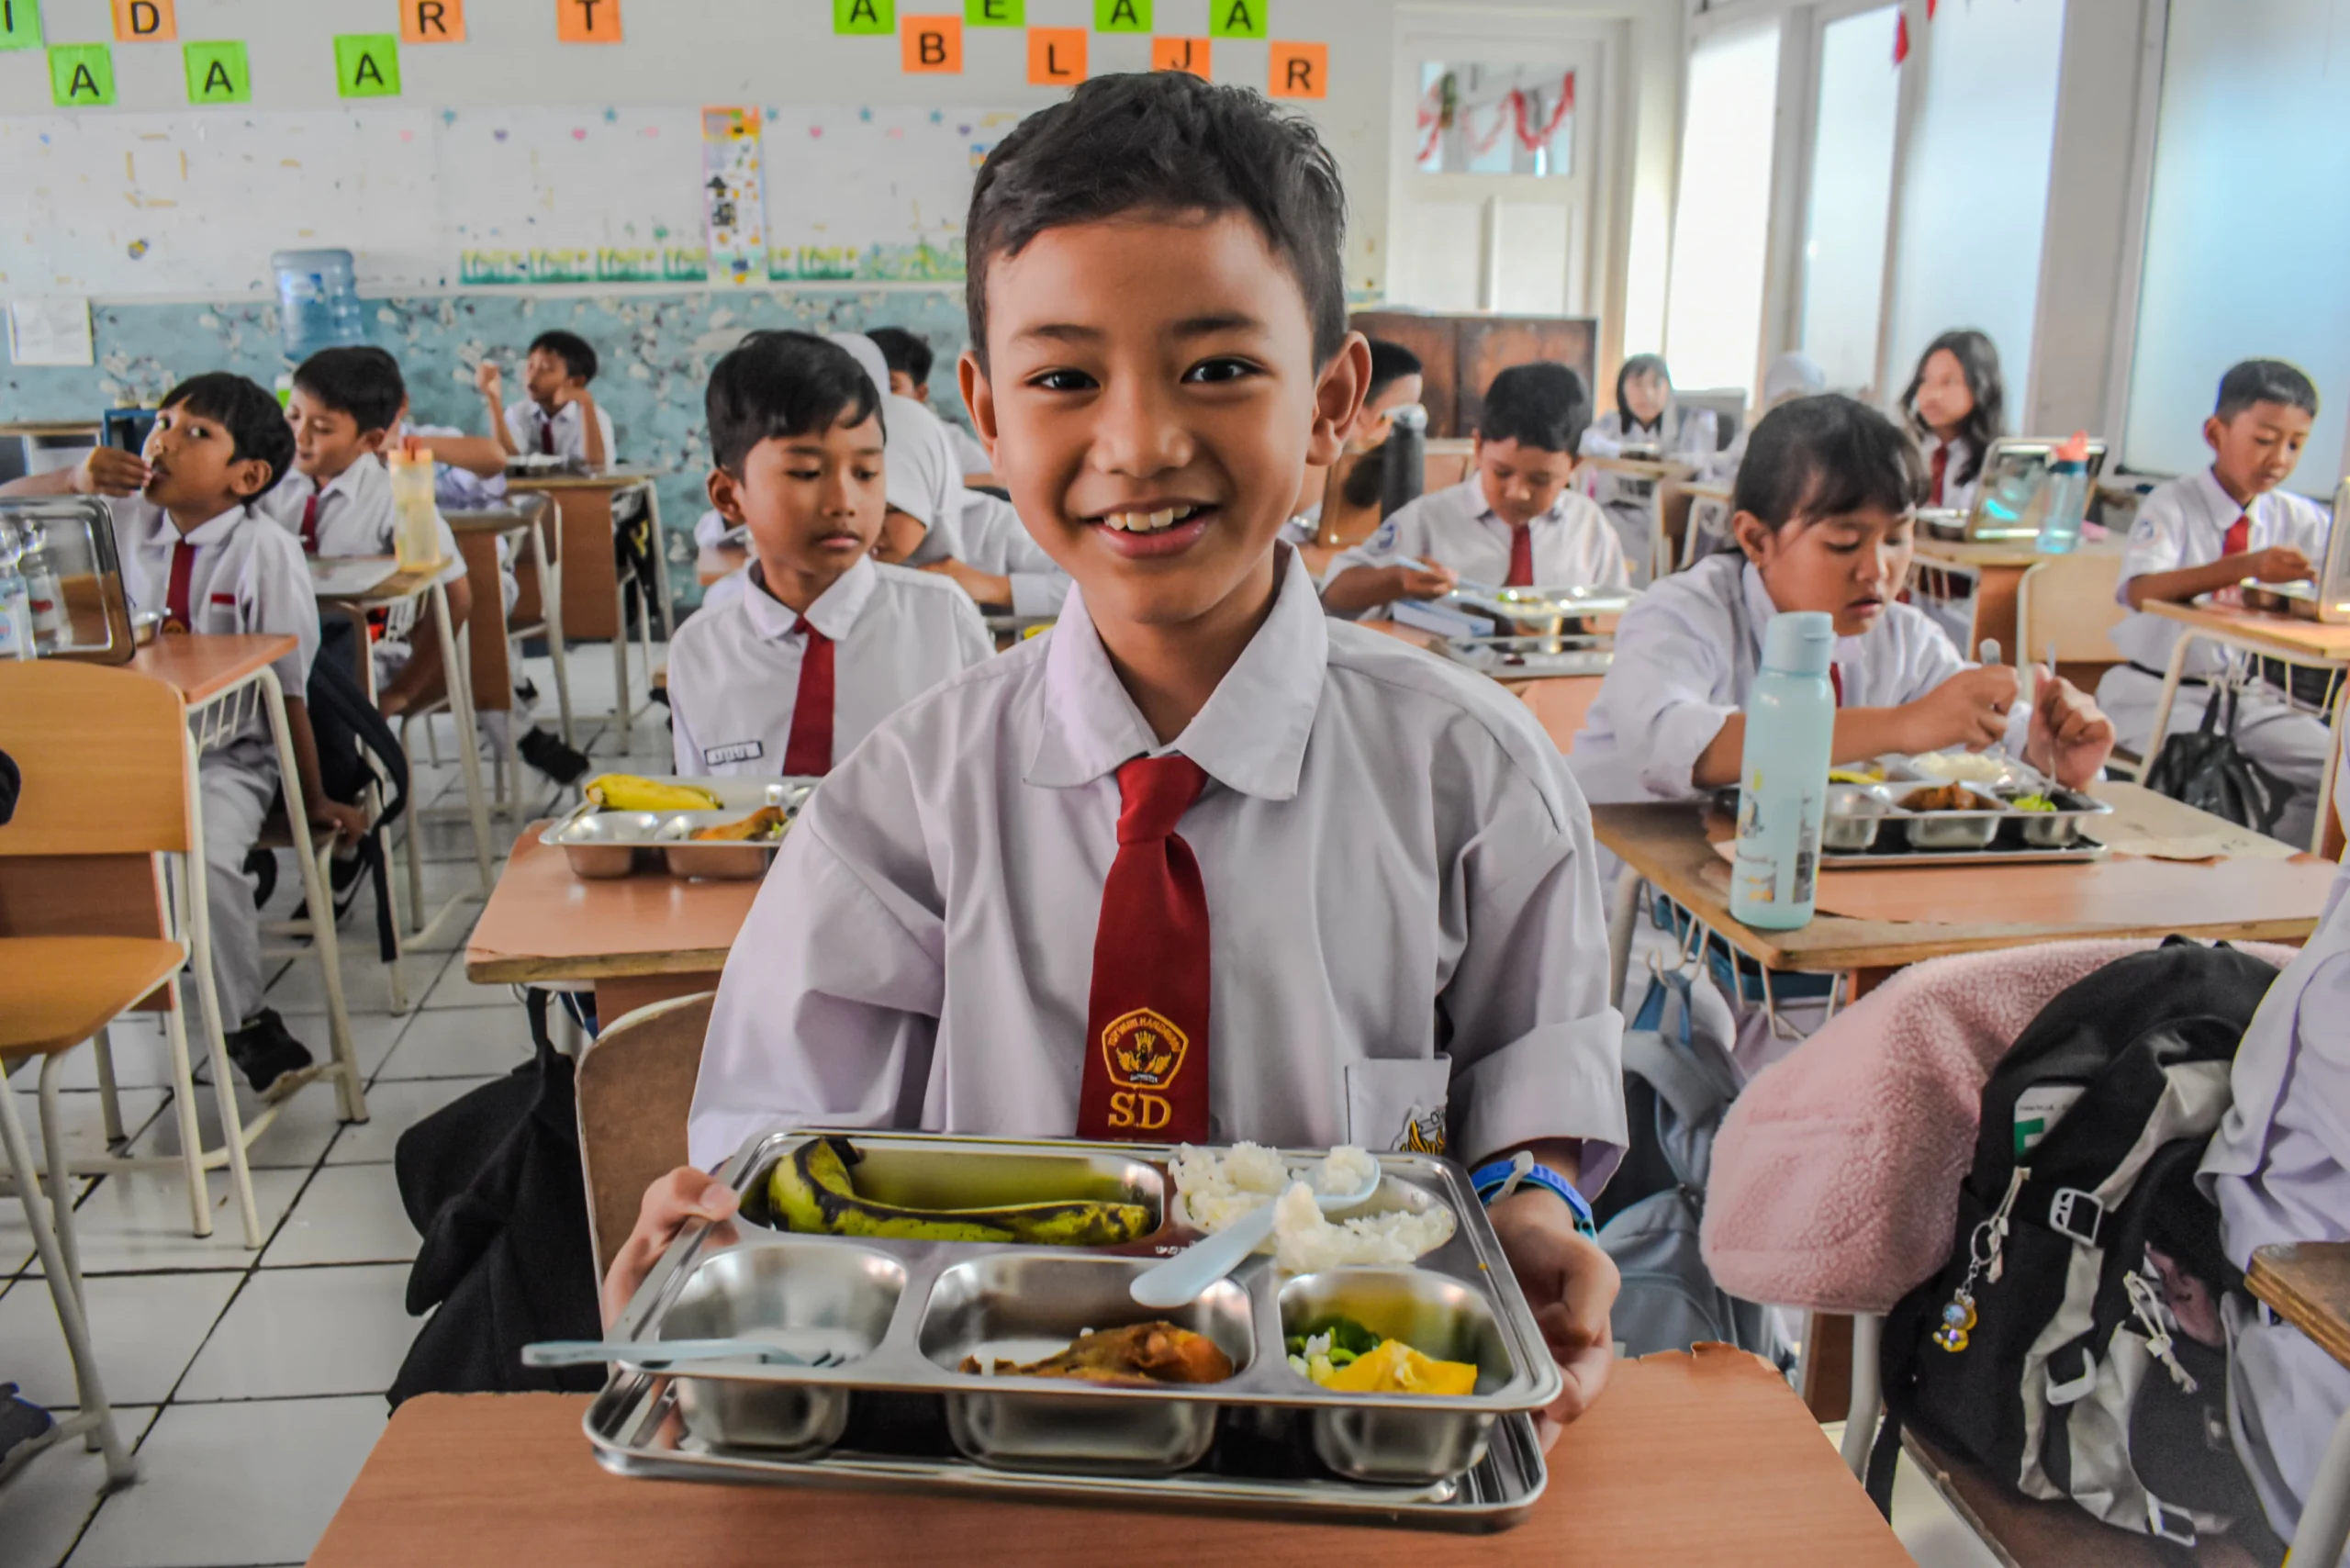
(1835, 1177)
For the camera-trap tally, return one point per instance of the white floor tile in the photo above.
(15, 1236)
(393, 1107)
(373, 1034)
(295, 1141)
(83, 1118)
(53, 1498)
(235, 1484)
(454, 990)
(366, 984)
(349, 1213)
(145, 1328)
(461, 1042)
(304, 1332)
(142, 1056)
(139, 1222)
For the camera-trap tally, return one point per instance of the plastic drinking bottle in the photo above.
(15, 605)
(2068, 497)
(1783, 778)
(415, 541)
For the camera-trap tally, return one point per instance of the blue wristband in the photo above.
(1489, 1179)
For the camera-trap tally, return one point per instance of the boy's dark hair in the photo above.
(256, 425)
(1541, 405)
(1390, 363)
(1165, 142)
(1631, 370)
(902, 350)
(783, 383)
(2265, 381)
(574, 351)
(1978, 360)
(1824, 456)
(361, 380)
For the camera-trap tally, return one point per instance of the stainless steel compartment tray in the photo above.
(1541, 603)
(632, 1427)
(914, 1354)
(602, 843)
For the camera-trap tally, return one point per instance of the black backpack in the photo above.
(2068, 1344)
(2206, 768)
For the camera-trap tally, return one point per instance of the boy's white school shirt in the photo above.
(526, 419)
(2185, 523)
(249, 578)
(1573, 546)
(996, 541)
(734, 671)
(1405, 914)
(1686, 656)
(355, 514)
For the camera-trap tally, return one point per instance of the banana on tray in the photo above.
(629, 792)
(812, 1193)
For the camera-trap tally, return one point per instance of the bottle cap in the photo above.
(1799, 642)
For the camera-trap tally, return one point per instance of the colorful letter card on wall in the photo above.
(865, 15)
(1122, 16)
(1237, 18)
(1299, 70)
(145, 21)
(587, 21)
(995, 13)
(432, 21)
(367, 65)
(932, 45)
(218, 74)
(80, 75)
(1056, 56)
(20, 24)
(1180, 54)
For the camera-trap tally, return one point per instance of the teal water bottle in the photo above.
(1782, 776)
(2069, 497)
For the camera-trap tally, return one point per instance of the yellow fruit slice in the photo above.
(1396, 1368)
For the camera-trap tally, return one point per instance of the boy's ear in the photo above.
(978, 397)
(248, 477)
(726, 494)
(2213, 428)
(1753, 535)
(1338, 399)
(375, 440)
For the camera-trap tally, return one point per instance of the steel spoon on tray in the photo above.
(664, 1352)
(1179, 1281)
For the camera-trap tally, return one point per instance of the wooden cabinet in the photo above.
(1461, 355)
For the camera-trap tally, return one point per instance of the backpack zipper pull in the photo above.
(1984, 1258)
(2154, 1318)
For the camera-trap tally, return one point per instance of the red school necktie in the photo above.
(177, 616)
(310, 525)
(546, 434)
(1836, 684)
(1147, 1024)
(807, 754)
(1942, 469)
(1521, 558)
(2239, 539)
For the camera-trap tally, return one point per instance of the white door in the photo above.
(1498, 166)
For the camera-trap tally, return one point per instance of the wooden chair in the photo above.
(2308, 1285)
(2065, 612)
(61, 991)
(635, 1084)
(110, 802)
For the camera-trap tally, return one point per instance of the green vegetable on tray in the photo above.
(2032, 803)
(1347, 1339)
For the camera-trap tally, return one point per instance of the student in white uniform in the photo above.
(2206, 533)
(194, 549)
(912, 423)
(1156, 814)
(1398, 381)
(823, 643)
(1002, 566)
(2280, 1170)
(1645, 422)
(1824, 520)
(1956, 407)
(1513, 522)
(909, 359)
(338, 500)
(560, 419)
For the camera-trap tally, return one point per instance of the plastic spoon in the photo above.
(663, 1352)
(1179, 1281)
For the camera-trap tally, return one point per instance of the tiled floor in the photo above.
(251, 1383)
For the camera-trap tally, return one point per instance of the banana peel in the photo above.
(630, 792)
(812, 1193)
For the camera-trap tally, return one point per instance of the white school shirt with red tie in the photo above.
(2185, 523)
(1575, 546)
(355, 515)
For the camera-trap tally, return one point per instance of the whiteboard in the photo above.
(192, 205)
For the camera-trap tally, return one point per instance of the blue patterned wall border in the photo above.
(656, 350)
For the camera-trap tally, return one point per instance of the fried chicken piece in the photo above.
(1140, 1352)
(764, 823)
(1947, 798)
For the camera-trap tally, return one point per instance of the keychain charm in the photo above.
(1958, 1317)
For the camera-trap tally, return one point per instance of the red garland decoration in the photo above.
(1901, 37)
(1531, 139)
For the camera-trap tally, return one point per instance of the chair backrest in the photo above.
(1447, 463)
(635, 1084)
(103, 753)
(2065, 608)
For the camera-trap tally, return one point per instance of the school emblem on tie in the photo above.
(1144, 1053)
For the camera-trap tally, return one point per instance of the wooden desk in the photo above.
(2260, 891)
(202, 667)
(636, 939)
(591, 607)
(713, 562)
(1562, 703)
(2278, 636)
(1706, 1458)
(2308, 1285)
(1996, 570)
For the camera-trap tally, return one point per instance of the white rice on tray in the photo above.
(1219, 1187)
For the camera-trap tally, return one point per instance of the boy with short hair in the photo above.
(195, 548)
(560, 419)
(2208, 532)
(1162, 804)
(910, 359)
(1513, 522)
(346, 405)
(823, 643)
(1396, 382)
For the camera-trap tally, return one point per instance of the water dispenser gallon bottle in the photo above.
(318, 301)
(1783, 775)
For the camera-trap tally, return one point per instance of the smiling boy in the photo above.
(1512, 523)
(1357, 882)
(823, 643)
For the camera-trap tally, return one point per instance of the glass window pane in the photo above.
(1974, 196)
(1852, 195)
(2249, 225)
(1721, 216)
(1495, 119)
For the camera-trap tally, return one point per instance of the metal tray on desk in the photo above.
(1540, 603)
(1531, 658)
(906, 1314)
(601, 843)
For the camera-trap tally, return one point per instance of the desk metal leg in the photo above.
(1622, 914)
(2325, 779)
(551, 617)
(2171, 676)
(2325, 1513)
(1860, 1414)
(460, 712)
(320, 898)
